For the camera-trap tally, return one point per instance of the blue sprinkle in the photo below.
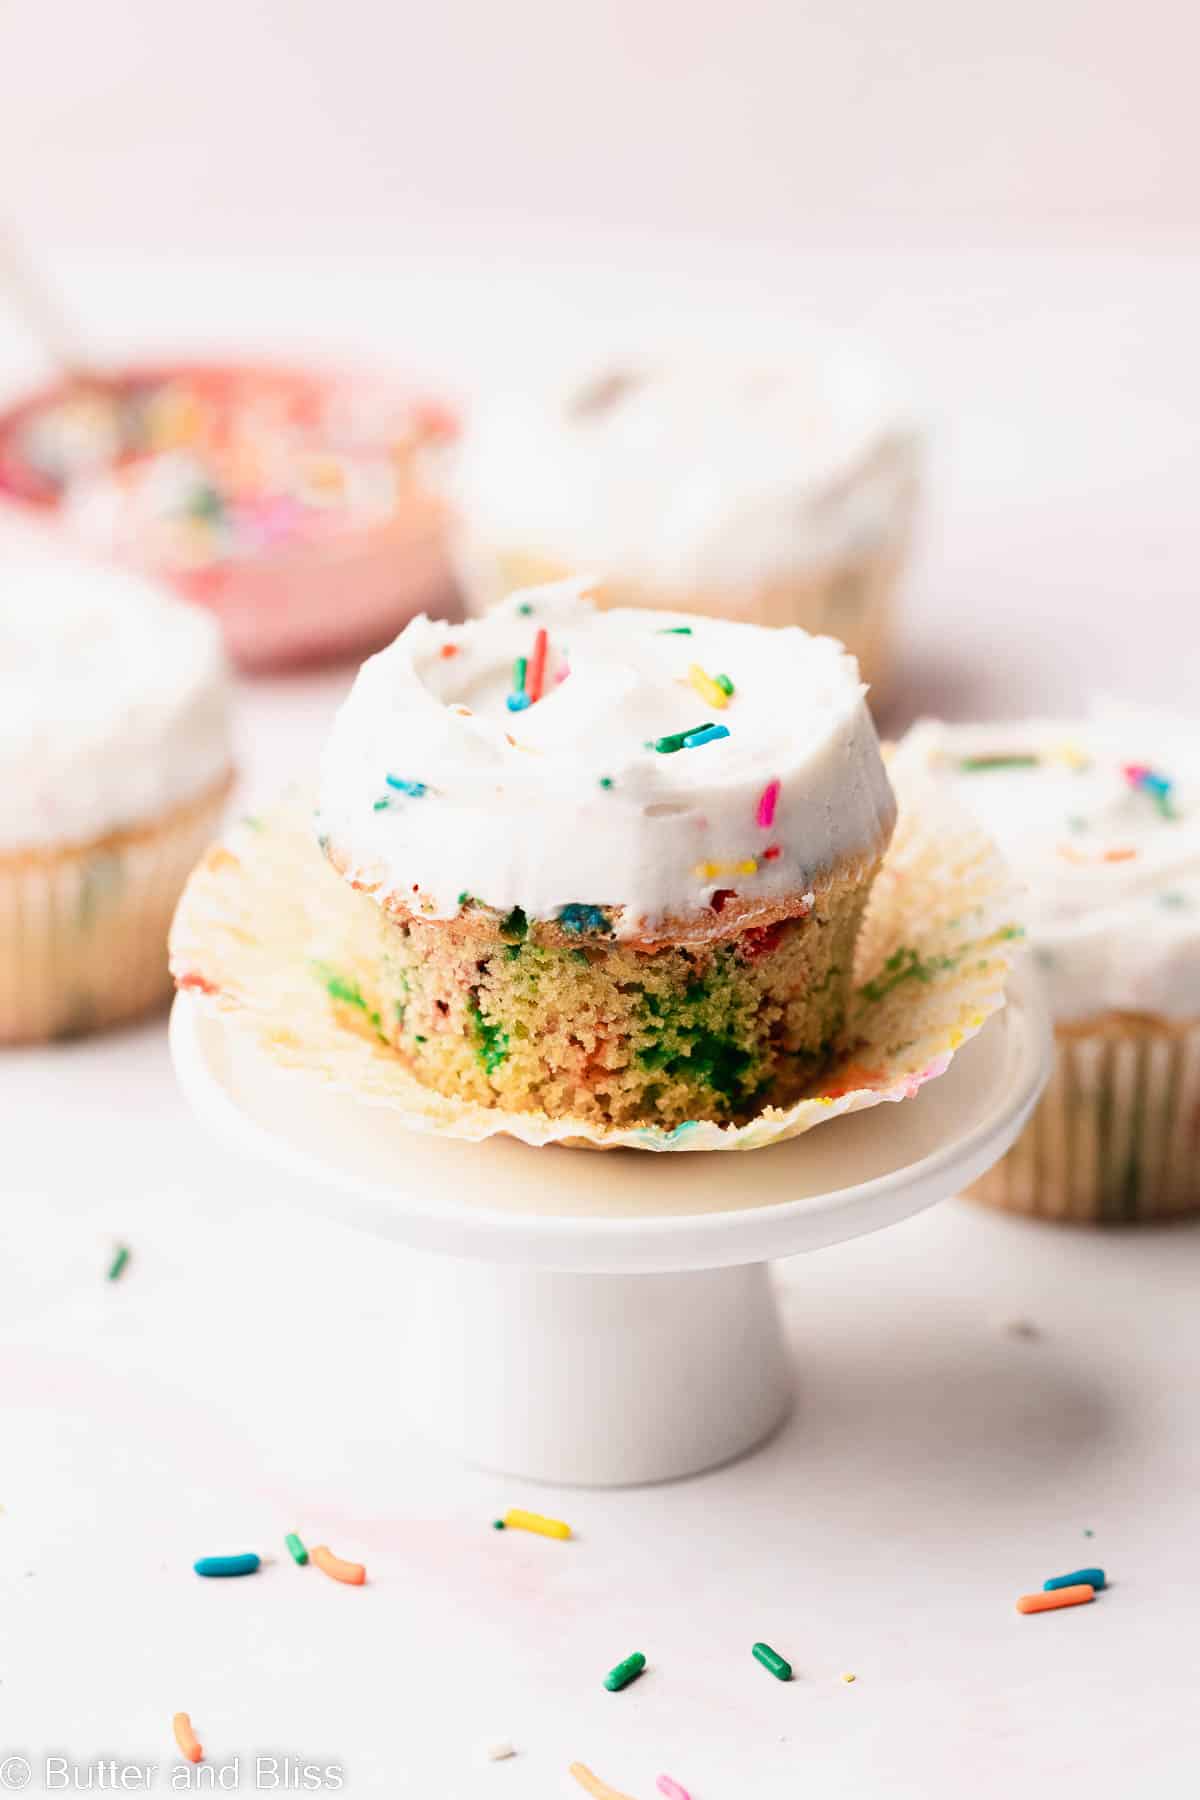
(706, 736)
(583, 918)
(517, 702)
(228, 1565)
(415, 788)
(1077, 1577)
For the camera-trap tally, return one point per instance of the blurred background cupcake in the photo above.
(1102, 819)
(114, 767)
(780, 492)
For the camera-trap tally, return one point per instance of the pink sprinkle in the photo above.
(671, 1789)
(765, 816)
(562, 674)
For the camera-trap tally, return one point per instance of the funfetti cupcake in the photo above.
(114, 764)
(1102, 819)
(622, 856)
(775, 492)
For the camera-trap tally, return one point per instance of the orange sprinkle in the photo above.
(1072, 1596)
(537, 667)
(353, 1574)
(185, 1737)
(1119, 855)
(599, 1789)
(449, 649)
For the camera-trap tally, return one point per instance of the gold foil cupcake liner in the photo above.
(267, 932)
(1115, 1138)
(83, 930)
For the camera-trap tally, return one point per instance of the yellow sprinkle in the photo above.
(516, 1520)
(706, 687)
(849, 1677)
(708, 871)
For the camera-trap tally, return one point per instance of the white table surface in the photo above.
(240, 1382)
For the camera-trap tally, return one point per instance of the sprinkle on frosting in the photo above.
(707, 688)
(1150, 782)
(415, 789)
(537, 666)
(586, 828)
(764, 816)
(708, 871)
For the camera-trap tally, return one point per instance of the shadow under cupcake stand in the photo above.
(604, 1319)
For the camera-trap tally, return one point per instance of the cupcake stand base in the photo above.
(604, 1319)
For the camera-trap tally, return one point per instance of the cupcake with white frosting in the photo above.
(780, 493)
(1102, 820)
(623, 856)
(114, 764)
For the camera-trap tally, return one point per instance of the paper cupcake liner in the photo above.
(265, 926)
(1116, 1137)
(83, 930)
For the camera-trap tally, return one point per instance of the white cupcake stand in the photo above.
(574, 1317)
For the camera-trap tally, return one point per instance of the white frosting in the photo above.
(114, 701)
(708, 474)
(515, 813)
(1114, 879)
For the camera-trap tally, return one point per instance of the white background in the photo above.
(1005, 202)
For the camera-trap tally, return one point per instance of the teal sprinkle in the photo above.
(381, 805)
(708, 734)
(413, 788)
(580, 918)
(517, 702)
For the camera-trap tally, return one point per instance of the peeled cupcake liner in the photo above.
(266, 932)
(1115, 1139)
(83, 927)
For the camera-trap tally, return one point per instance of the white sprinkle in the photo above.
(500, 1752)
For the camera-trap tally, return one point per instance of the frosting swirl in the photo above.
(605, 793)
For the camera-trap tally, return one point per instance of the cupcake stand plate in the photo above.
(578, 1317)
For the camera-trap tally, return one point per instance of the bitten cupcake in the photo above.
(780, 493)
(114, 763)
(623, 856)
(1102, 819)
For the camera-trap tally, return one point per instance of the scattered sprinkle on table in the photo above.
(1050, 1602)
(294, 1544)
(117, 1266)
(499, 1751)
(515, 1519)
(625, 1672)
(229, 1565)
(771, 1660)
(337, 1569)
(849, 1677)
(1077, 1578)
(674, 631)
(185, 1737)
(671, 1789)
(413, 788)
(600, 1790)
(709, 687)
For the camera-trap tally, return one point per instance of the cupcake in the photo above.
(775, 493)
(114, 763)
(1102, 819)
(622, 857)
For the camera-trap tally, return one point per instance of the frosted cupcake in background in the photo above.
(622, 857)
(774, 492)
(114, 765)
(1102, 819)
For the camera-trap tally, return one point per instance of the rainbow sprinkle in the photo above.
(708, 871)
(1149, 781)
(708, 687)
(518, 700)
(764, 816)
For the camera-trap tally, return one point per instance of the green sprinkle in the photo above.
(491, 1040)
(418, 1039)
(674, 631)
(299, 1553)
(525, 609)
(724, 683)
(514, 925)
(606, 781)
(340, 987)
(625, 1672)
(255, 824)
(770, 1659)
(904, 965)
(974, 765)
(674, 740)
(497, 1524)
(118, 1264)
(519, 669)
(464, 899)
(382, 805)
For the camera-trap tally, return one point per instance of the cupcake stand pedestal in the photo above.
(573, 1317)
